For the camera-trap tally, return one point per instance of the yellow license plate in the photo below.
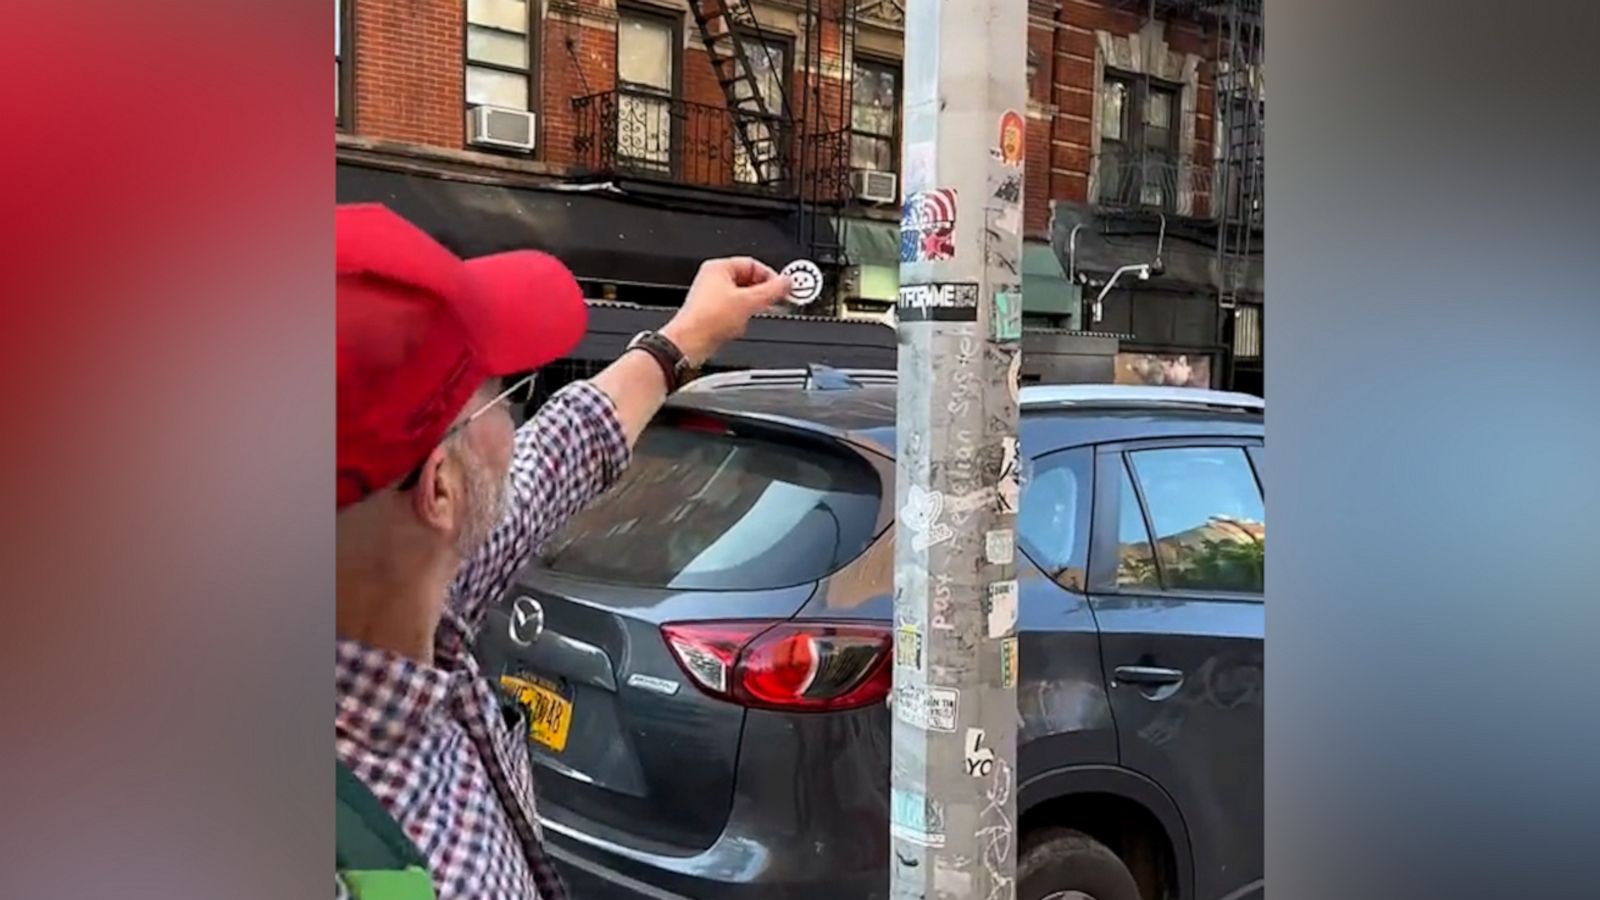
(549, 713)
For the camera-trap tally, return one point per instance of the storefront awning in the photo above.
(874, 248)
(1045, 288)
(599, 235)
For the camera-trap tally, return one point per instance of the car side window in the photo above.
(1136, 562)
(1053, 523)
(1208, 517)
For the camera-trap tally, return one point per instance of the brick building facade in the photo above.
(404, 90)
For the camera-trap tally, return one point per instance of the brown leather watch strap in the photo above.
(666, 354)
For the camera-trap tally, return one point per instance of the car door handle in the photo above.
(1148, 675)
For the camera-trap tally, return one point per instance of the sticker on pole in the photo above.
(912, 817)
(950, 302)
(1008, 662)
(927, 707)
(928, 226)
(908, 647)
(979, 758)
(1000, 547)
(805, 281)
(1013, 138)
(922, 513)
(1006, 325)
(1001, 608)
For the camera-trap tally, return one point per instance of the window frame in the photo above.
(1103, 536)
(675, 25)
(882, 64)
(1135, 140)
(530, 73)
(1086, 516)
(776, 39)
(344, 118)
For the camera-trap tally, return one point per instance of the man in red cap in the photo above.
(441, 499)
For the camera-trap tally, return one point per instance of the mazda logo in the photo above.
(527, 621)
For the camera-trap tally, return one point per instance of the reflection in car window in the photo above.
(1136, 564)
(712, 511)
(1053, 521)
(1209, 520)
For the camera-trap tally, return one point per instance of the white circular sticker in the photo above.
(805, 281)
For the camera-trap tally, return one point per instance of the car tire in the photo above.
(1062, 864)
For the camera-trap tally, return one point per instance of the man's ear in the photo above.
(438, 490)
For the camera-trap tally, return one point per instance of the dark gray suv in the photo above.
(705, 653)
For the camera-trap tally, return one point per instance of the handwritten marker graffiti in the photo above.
(928, 226)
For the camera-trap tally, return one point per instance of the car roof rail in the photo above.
(1044, 395)
(814, 377)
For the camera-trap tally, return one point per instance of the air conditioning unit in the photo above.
(871, 186)
(497, 126)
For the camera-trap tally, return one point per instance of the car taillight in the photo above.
(791, 666)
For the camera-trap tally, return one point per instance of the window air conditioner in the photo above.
(497, 126)
(871, 186)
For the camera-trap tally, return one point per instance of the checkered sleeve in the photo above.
(569, 453)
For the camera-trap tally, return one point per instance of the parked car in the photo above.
(705, 653)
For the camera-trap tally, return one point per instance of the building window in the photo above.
(647, 82)
(499, 54)
(1139, 131)
(341, 69)
(769, 64)
(875, 117)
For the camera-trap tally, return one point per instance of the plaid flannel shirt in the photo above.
(432, 742)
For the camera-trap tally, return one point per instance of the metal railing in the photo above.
(641, 134)
(1164, 182)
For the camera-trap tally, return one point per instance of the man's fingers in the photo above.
(745, 270)
(766, 292)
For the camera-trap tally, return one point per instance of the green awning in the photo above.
(1045, 288)
(870, 242)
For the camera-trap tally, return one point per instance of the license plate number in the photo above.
(549, 713)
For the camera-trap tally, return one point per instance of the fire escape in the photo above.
(1241, 164)
(782, 132)
(762, 131)
(1220, 199)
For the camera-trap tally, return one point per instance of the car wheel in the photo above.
(1062, 864)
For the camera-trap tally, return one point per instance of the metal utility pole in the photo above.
(953, 789)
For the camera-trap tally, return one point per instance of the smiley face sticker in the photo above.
(805, 281)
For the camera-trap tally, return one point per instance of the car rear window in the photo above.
(703, 510)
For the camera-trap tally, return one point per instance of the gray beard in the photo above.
(486, 497)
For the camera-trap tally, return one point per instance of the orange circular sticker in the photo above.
(1012, 143)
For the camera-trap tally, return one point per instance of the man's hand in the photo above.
(725, 294)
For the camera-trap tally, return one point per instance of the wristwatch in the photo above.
(675, 367)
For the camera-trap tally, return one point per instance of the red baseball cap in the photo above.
(420, 330)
